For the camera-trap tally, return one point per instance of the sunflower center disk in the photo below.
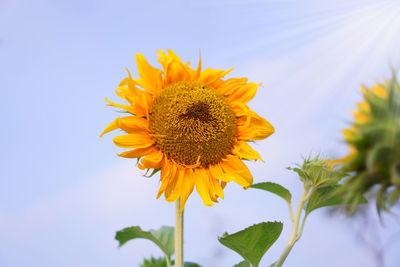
(190, 121)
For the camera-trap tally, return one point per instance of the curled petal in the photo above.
(237, 171)
(244, 151)
(152, 161)
(254, 127)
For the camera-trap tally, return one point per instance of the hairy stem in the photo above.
(295, 235)
(178, 235)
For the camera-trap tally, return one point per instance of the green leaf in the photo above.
(328, 196)
(253, 242)
(191, 264)
(163, 238)
(242, 264)
(166, 236)
(153, 262)
(274, 188)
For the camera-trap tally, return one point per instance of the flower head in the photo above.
(190, 124)
(374, 144)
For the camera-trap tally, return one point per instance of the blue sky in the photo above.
(63, 190)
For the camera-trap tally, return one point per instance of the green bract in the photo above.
(318, 172)
(375, 140)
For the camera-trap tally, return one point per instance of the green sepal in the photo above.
(318, 172)
(152, 173)
(376, 164)
(395, 175)
(394, 196)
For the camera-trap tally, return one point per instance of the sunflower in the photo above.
(191, 125)
(374, 144)
(361, 116)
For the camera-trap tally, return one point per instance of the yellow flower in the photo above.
(361, 116)
(374, 142)
(190, 124)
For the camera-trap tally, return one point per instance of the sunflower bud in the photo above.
(374, 142)
(317, 172)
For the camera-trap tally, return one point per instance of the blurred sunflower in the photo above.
(190, 124)
(374, 144)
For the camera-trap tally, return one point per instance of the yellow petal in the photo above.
(217, 172)
(336, 162)
(172, 181)
(198, 71)
(178, 185)
(132, 124)
(233, 167)
(380, 91)
(240, 109)
(187, 187)
(177, 70)
(212, 188)
(244, 94)
(139, 152)
(254, 127)
(216, 186)
(174, 69)
(223, 184)
(361, 117)
(244, 151)
(128, 81)
(202, 184)
(139, 139)
(152, 161)
(363, 106)
(212, 77)
(349, 133)
(150, 77)
(231, 85)
(111, 127)
(139, 99)
(166, 170)
(130, 109)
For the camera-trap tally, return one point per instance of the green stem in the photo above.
(291, 212)
(294, 235)
(301, 227)
(168, 260)
(178, 235)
